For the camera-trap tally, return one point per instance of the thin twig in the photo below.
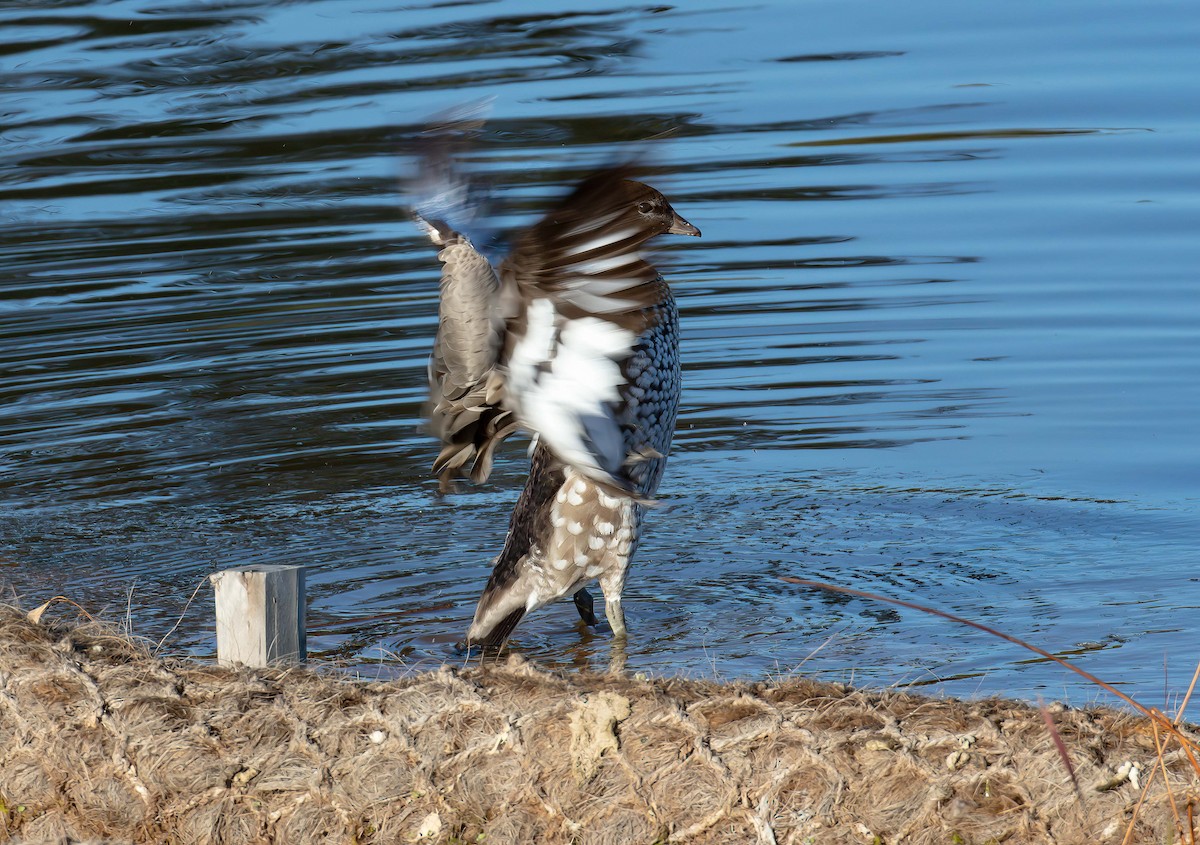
(182, 613)
(1191, 686)
(1189, 745)
(814, 652)
(1158, 747)
(1062, 750)
(129, 608)
(1137, 808)
(35, 615)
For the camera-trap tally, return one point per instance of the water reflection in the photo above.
(214, 316)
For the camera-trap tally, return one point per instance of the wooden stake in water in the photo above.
(260, 615)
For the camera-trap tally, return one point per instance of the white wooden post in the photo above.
(260, 615)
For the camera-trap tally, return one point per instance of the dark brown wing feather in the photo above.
(586, 297)
(585, 254)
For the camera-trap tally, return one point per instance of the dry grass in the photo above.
(101, 741)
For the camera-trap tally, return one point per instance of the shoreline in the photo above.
(104, 742)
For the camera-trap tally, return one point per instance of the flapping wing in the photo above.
(466, 391)
(448, 201)
(587, 297)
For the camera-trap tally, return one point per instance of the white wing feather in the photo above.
(566, 375)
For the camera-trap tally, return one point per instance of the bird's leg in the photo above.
(616, 617)
(613, 584)
(583, 603)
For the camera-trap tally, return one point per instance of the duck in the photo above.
(573, 337)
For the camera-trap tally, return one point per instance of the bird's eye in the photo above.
(645, 207)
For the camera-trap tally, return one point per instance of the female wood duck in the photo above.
(575, 338)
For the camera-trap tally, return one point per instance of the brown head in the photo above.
(651, 210)
(609, 201)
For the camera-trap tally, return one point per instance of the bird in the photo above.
(572, 336)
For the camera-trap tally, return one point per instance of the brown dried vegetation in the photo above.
(100, 741)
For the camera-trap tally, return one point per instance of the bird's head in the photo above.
(650, 210)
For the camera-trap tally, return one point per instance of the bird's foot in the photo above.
(586, 608)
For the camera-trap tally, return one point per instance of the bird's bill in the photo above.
(679, 226)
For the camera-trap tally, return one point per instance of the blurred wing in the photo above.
(586, 293)
(466, 391)
(465, 388)
(447, 200)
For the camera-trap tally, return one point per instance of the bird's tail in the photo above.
(494, 637)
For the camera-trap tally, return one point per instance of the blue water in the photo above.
(941, 336)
